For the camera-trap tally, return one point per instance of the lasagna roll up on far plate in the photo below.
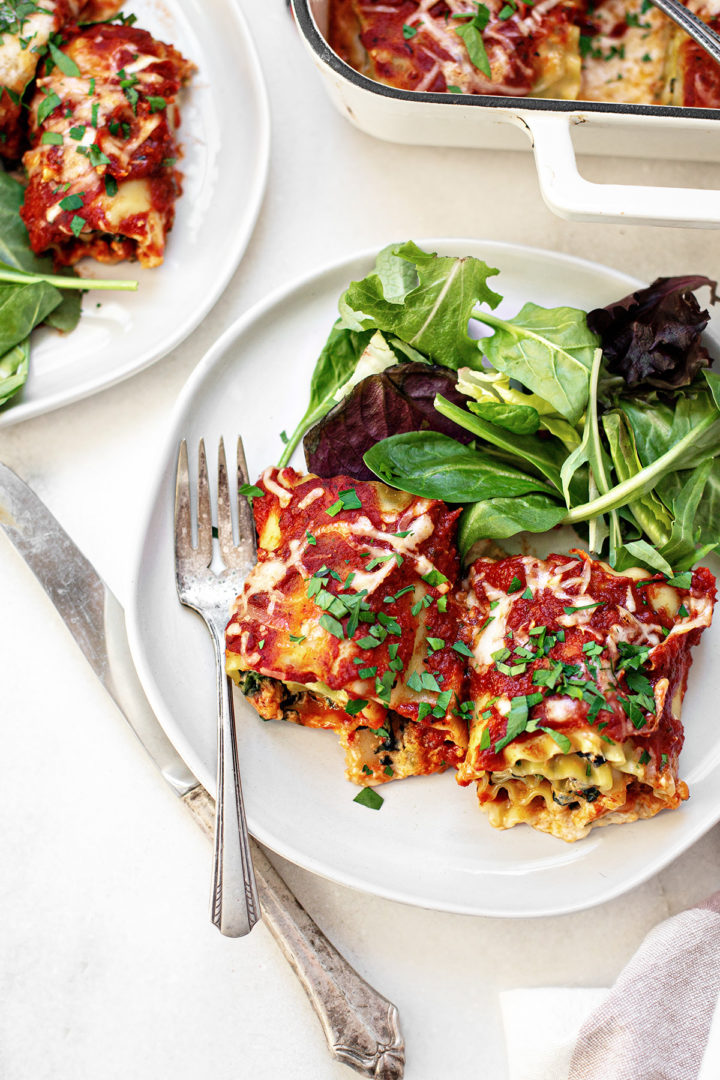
(347, 622)
(26, 29)
(577, 679)
(531, 49)
(101, 172)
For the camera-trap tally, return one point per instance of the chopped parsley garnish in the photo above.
(353, 707)
(77, 224)
(51, 138)
(632, 656)
(251, 491)
(485, 739)
(584, 607)
(508, 10)
(558, 737)
(388, 770)
(681, 581)
(156, 103)
(663, 760)
(370, 798)
(461, 648)
(347, 500)
(644, 758)
(66, 63)
(633, 712)
(409, 31)
(91, 87)
(471, 32)
(77, 132)
(367, 770)
(514, 586)
(94, 155)
(47, 105)
(683, 612)
(71, 202)
(442, 602)
(435, 644)
(424, 710)
(297, 637)
(332, 626)
(454, 90)
(127, 85)
(434, 578)
(527, 595)
(402, 535)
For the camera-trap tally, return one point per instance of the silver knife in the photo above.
(360, 1025)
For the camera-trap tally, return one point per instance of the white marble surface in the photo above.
(109, 967)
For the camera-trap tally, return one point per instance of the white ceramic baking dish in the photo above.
(556, 129)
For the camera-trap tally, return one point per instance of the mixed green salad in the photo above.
(607, 420)
(31, 294)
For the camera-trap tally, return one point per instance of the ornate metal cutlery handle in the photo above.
(360, 1025)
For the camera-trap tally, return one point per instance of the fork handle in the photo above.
(234, 903)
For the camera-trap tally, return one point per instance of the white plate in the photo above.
(225, 136)
(429, 844)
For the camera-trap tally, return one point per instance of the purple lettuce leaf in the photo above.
(397, 400)
(652, 336)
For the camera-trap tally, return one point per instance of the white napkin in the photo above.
(660, 1021)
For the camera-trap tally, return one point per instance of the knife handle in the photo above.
(360, 1025)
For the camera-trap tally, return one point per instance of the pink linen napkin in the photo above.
(656, 1020)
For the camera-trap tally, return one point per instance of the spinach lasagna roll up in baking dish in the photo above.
(28, 32)
(101, 172)
(347, 622)
(577, 678)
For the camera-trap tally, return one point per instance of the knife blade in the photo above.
(360, 1025)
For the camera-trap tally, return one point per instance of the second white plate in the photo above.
(225, 136)
(429, 844)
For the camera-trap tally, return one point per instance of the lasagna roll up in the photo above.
(101, 172)
(347, 622)
(26, 30)
(429, 45)
(577, 679)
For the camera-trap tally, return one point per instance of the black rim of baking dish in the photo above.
(320, 47)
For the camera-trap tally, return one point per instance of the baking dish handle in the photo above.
(568, 194)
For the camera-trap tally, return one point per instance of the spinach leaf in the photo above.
(500, 518)
(435, 466)
(562, 430)
(14, 370)
(22, 307)
(544, 455)
(333, 368)
(397, 400)
(548, 350)
(16, 253)
(433, 317)
(520, 419)
(472, 34)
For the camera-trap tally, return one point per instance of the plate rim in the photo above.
(21, 411)
(214, 355)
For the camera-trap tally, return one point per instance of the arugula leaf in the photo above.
(680, 550)
(432, 317)
(548, 350)
(649, 511)
(500, 518)
(66, 63)
(14, 370)
(434, 466)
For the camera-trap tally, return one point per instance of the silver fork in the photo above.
(704, 35)
(234, 901)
